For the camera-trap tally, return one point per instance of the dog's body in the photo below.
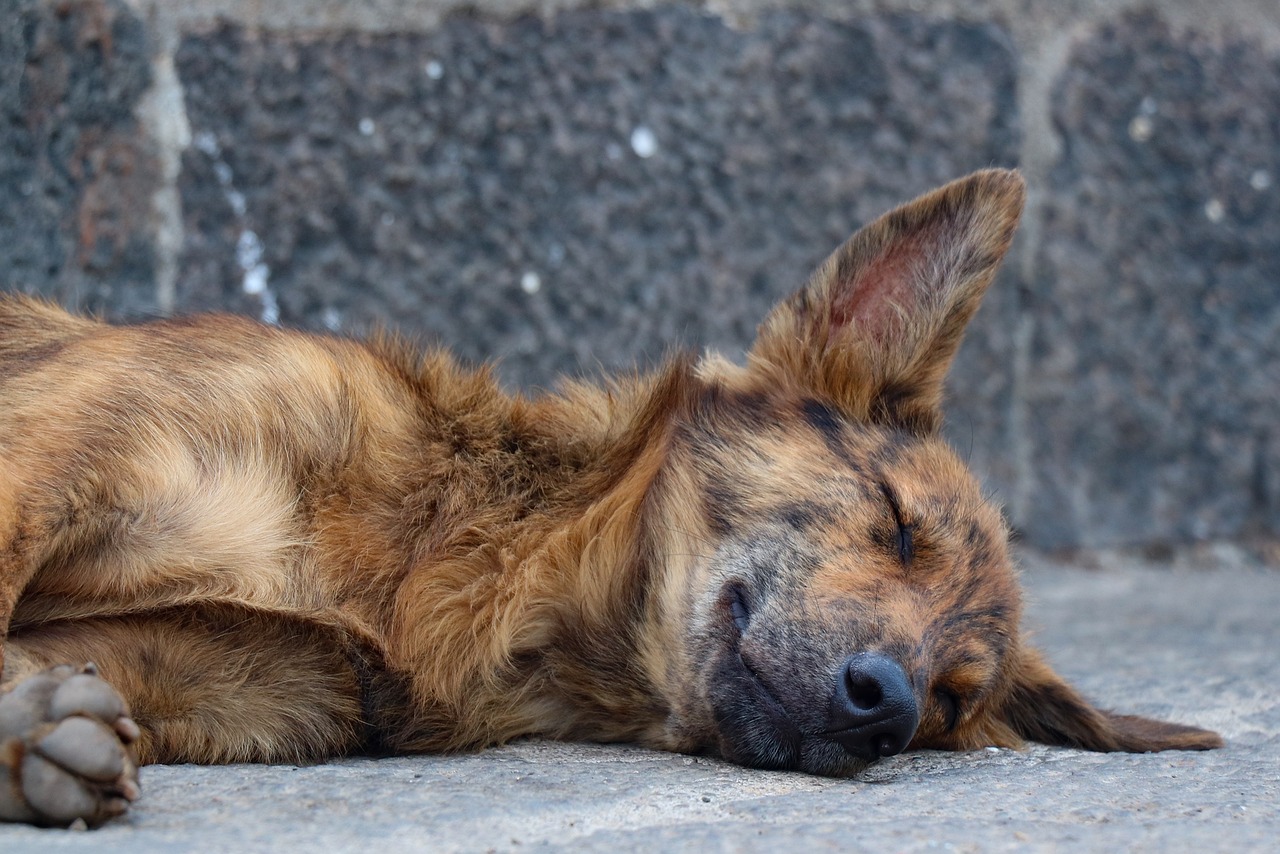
(278, 546)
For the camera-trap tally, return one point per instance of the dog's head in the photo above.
(837, 588)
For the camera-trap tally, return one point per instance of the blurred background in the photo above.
(580, 187)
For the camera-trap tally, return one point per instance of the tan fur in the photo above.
(279, 545)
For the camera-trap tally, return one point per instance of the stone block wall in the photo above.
(583, 186)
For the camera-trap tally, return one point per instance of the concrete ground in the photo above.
(1194, 642)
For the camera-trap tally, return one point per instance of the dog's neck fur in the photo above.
(554, 581)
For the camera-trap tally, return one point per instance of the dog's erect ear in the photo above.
(1042, 707)
(879, 322)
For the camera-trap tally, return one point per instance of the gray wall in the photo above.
(581, 186)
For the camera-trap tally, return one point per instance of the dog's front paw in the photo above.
(65, 749)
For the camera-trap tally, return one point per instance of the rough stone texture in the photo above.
(76, 173)
(470, 177)
(1191, 645)
(382, 194)
(1155, 381)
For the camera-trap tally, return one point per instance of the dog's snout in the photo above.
(873, 711)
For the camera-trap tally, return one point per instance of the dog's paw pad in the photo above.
(65, 735)
(86, 694)
(84, 747)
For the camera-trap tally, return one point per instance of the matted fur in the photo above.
(279, 546)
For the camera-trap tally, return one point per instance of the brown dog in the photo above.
(279, 546)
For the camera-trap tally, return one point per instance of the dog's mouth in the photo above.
(754, 727)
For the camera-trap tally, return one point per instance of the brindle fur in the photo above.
(280, 546)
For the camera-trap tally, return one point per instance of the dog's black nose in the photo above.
(873, 712)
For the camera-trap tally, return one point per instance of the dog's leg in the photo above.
(14, 574)
(218, 686)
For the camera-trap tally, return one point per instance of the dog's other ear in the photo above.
(878, 324)
(1042, 707)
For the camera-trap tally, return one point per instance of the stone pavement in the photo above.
(1191, 642)
(581, 185)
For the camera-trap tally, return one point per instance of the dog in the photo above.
(278, 546)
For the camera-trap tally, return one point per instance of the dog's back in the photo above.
(31, 328)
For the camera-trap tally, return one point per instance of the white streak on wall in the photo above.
(255, 274)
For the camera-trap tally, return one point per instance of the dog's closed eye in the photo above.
(905, 540)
